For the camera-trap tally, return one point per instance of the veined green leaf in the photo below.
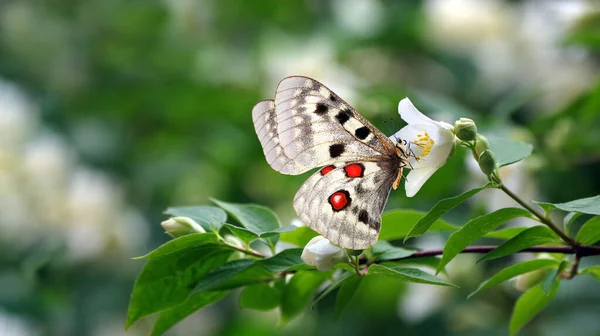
(396, 224)
(299, 237)
(382, 250)
(516, 270)
(209, 217)
(334, 284)
(409, 275)
(348, 290)
(181, 243)
(547, 207)
(590, 205)
(593, 271)
(298, 292)
(589, 233)
(529, 305)
(221, 274)
(509, 151)
(167, 280)
(282, 261)
(440, 208)
(569, 219)
(260, 297)
(552, 277)
(256, 218)
(506, 233)
(536, 235)
(475, 229)
(173, 315)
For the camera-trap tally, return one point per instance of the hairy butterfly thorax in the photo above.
(307, 126)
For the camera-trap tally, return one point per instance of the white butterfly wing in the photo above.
(344, 202)
(308, 126)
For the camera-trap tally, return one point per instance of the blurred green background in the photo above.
(110, 111)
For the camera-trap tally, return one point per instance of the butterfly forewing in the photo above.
(344, 202)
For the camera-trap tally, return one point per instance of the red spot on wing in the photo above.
(355, 170)
(340, 200)
(327, 169)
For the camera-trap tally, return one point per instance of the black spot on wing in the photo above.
(375, 225)
(363, 216)
(336, 150)
(321, 109)
(362, 132)
(332, 98)
(343, 116)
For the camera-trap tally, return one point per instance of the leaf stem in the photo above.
(536, 213)
(248, 251)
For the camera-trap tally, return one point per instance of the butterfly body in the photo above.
(308, 126)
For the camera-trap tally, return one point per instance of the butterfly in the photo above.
(307, 126)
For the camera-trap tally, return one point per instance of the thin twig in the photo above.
(248, 251)
(536, 213)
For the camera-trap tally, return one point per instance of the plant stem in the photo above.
(536, 213)
(580, 250)
(248, 251)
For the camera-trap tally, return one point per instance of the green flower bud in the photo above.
(465, 129)
(487, 162)
(481, 144)
(181, 226)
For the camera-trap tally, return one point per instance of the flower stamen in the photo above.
(425, 143)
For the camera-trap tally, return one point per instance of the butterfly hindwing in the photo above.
(311, 127)
(344, 202)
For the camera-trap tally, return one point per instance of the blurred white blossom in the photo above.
(46, 193)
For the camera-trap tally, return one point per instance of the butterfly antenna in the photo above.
(393, 123)
(388, 125)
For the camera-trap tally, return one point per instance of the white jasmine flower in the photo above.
(321, 253)
(179, 226)
(430, 143)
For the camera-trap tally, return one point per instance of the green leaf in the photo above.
(396, 224)
(430, 262)
(181, 243)
(547, 207)
(298, 292)
(243, 234)
(250, 276)
(173, 315)
(506, 233)
(299, 237)
(516, 270)
(570, 219)
(408, 274)
(221, 274)
(209, 217)
(535, 235)
(348, 290)
(509, 151)
(334, 284)
(260, 297)
(553, 277)
(255, 218)
(475, 229)
(439, 209)
(167, 280)
(382, 250)
(529, 305)
(590, 205)
(282, 261)
(593, 271)
(285, 229)
(589, 234)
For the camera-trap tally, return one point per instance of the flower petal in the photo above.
(416, 178)
(409, 113)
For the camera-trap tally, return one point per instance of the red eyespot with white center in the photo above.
(355, 170)
(327, 169)
(339, 200)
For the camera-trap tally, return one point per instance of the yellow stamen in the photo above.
(425, 143)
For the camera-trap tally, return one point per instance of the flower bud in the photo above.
(465, 129)
(181, 226)
(487, 162)
(321, 253)
(481, 144)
